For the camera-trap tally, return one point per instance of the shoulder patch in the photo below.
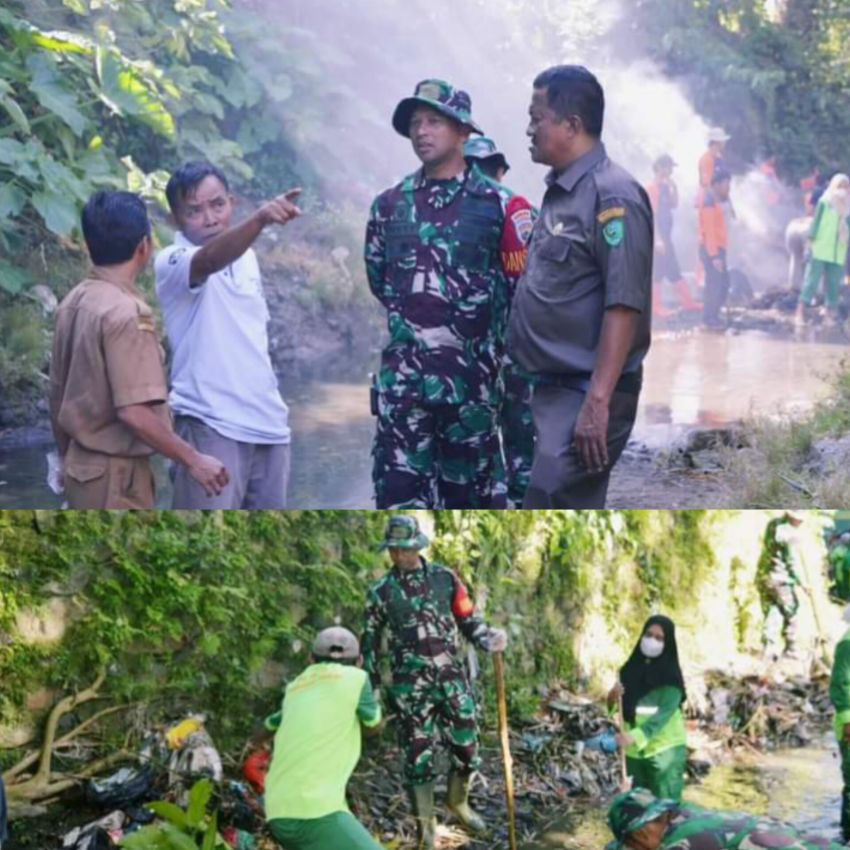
(175, 255)
(612, 212)
(614, 231)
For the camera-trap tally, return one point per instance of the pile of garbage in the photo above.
(760, 711)
(561, 755)
(567, 752)
(169, 763)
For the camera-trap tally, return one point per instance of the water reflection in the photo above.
(802, 786)
(692, 379)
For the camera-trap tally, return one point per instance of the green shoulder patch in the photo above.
(614, 231)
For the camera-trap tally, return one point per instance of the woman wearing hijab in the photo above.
(653, 692)
(830, 233)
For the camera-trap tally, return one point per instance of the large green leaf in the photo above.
(211, 835)
(13, 279)
(58, 211)
(15, 112)
(12, 152)
(125, 90)
(53, 93)
(12, 200)
(62, 180)
(170, 812)
(178, 840)
(199, 797)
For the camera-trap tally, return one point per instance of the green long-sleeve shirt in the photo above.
(839, 685)
(659, 723)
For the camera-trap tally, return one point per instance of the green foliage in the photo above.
(209, 610)
(775, 78)
(191, 829)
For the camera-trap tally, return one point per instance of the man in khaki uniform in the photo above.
(107, 380)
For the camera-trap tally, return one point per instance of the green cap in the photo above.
(403, 533)
(632, 810)
(439, 95)
(484, 148)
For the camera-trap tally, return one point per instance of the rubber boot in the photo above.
(422, 797)
(687, 301)
(457, 800)
(659, 311)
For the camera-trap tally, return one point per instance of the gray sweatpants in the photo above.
(558, 477)
(259, 473)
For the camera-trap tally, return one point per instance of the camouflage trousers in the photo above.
(780, 623)
(431, 712)
(517, 426)
(437, 456)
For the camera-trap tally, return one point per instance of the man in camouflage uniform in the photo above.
(778, 579)
(640, 821)
(438, 249)
(422, 606)
(515, 420)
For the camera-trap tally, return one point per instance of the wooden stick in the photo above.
(624, 775)
(507, 761)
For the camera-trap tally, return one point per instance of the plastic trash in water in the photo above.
(604, 742)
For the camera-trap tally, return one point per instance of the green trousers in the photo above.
(845, 793)
(833, 274)
(663, 773)
(332, 832)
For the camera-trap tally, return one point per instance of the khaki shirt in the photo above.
(591, 249)
(106, 355)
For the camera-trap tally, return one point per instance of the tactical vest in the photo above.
(474, 239)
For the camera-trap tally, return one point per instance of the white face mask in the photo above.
(651, 647)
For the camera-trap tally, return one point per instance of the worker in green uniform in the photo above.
(317, 746)
(653, 691)
(839, 694)
(839, 567)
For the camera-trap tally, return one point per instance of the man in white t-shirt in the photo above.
(224, 392)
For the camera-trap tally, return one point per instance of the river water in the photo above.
(802, 786)
(692, 379)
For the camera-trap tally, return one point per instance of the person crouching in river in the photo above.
(653, 731)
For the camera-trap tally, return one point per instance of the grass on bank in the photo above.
(796, 462)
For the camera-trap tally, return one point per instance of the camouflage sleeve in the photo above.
(375, 254)
(516, 233)
(370, 642)
(471, 626)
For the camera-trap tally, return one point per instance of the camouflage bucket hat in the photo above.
(633, 810)
(439, 95)
(483, 147)
(403, 533)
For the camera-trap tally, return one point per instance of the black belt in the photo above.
(630, 382)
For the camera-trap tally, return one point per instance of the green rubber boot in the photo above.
(422, 797)
(457, 800)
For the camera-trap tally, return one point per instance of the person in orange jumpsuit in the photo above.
(664, 198)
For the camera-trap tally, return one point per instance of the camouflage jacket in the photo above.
(442, 256)
(422, 612)
(778, 563)
(695, 828)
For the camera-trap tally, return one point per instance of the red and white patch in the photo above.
(523, 222)
(462, 606)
